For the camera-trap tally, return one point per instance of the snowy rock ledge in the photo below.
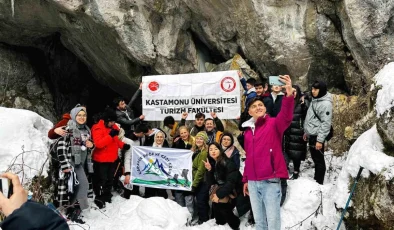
(24, 142)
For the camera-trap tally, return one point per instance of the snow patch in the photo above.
(366, 152)
(23, 131)
(385, 96)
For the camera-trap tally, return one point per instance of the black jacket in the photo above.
(273, 108)
(126, 118)
(32, 215)
(180, 144)
(227, 176)
(294, 145)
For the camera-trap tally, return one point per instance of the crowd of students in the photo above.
(275, 125)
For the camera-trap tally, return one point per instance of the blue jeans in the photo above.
(265, 198)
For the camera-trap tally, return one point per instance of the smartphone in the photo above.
(6, 187)
(274, 80)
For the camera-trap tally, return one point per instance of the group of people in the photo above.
(275, 126)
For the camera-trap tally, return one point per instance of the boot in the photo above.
(251, 221)
(75, 215)
(100, 203)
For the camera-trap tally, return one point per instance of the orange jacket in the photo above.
(106, 147)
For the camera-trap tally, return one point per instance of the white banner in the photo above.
(165, 168)
(171, 95)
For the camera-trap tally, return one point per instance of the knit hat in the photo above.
(75, 111)
(109, 115)
(203, 135)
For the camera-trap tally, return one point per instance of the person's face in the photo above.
(199, 141)
(214, 152)
(159, 138)
(141, 134)
(259, 90)
(226, 141)
(294, 92)
(122, 105)
(110, 124)
(199, 121)
(257, 109)
(209, 125)
(81, 117)
(276, 88)
(184, 134)
(248, 86)
(315, 92)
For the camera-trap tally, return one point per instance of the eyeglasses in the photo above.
(80, 115)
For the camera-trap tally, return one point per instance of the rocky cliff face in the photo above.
(343, 42)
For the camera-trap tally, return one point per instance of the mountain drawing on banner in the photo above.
(154, 168)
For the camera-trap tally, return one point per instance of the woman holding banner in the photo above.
(184, 141)
(158, 143)
(225, 183)
(199, 187)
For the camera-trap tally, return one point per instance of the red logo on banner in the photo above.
(153, 86)
(228, 84)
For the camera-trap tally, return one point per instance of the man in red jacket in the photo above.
(105, 136)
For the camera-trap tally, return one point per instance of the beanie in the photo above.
(203, 135)
(75, 111)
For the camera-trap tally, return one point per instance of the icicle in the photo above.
(12, 7)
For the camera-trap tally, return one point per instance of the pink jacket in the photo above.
(263, 144)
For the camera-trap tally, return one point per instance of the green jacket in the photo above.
(198, 167)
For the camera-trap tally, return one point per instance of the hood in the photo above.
(251, 90)
(327, 97)
(249, 123)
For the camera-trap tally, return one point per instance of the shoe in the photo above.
(250, 221)
(294, 176)
(75, 216)
(100, 204)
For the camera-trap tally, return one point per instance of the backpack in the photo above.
(331, 133)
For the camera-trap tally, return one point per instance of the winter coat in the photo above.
(198, 167)
(214, 136)
(263, 144)
(32, 215)
(227, 176)
(273, 108)
(126, 118)
(106, 146)
(195, 129)
(294, 144)
(312, 125)
(51, 133)
(65, 157)
(235, 157)
(250, 94)
(181, 144)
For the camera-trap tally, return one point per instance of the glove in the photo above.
(113, 132)
(126, 147)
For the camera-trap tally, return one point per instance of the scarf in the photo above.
(229, 151)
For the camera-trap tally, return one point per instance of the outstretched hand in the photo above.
(289, 88)
(18, 198)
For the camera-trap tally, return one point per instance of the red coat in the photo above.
(51, 133)
(106, 147)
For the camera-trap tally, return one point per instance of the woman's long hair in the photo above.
(190, 139)
(195, 147)
(298, 96)
(222, 156)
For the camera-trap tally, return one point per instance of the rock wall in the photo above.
(343, 42)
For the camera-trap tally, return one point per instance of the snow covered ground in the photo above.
(308, 204)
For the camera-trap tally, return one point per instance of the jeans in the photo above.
(265, 197)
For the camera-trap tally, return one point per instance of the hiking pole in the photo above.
(350, 196)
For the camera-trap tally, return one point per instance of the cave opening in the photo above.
(69, 80)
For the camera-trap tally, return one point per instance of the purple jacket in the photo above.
(263, 144)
